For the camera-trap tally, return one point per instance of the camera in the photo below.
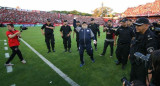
(142, 56)
(127, 83)
(23, 28)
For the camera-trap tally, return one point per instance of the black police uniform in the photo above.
(66, 40)
(109, 40)
(143, 43)
(77, 34)
(95, 29)
(49, 36)
(123, 46)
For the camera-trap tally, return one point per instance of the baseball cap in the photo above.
(92, 19)
(84, 23)
(65, 20)
(109, 20)
(77, 21)
(141, 21)
(49, 20)
(124, 20)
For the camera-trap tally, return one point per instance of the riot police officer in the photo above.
(95, 29)
(145, 43)
(65, 34)
(49, 36)
(123, 45)
(76, 24)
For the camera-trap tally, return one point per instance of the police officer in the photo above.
(123, 46)
(65, 34)
(109, 38)
(85, 35)
(145, 43)
(76, 24)
(49, 36)
(95, 29)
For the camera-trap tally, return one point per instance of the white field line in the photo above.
(58, 71)
(5, 48)
(5, 43)
(6, 55)
(9, 69)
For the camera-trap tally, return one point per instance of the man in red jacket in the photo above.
(13, 42)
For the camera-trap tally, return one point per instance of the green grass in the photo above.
(103, 72)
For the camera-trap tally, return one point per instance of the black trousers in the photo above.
(77, 40)
(15, 50)
(138, 72)
(89, 49)
(106, 43)
(67, 42)
(95, 45)
(50, 41)
(122, 53)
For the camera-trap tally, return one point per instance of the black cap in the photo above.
(84, 23)
(141, 21)
(124, 20)
(65, 20)
(92, 19)
(77, 21)
(109, 20)
(49, 20)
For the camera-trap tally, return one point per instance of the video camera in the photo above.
(22, 28)
(141, 57)
(127, 83)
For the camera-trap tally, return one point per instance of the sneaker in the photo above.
(81, 65)
(123, 67)
(69, 51)
(9, 64)
(49, 51)
(101, 55)
(93, 61)
(53, 50)
(96, 49)
(23, 61)
(118, 63)
(65, 50)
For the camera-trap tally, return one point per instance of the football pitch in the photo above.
(36, 72)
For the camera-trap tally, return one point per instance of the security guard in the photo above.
(49, 36)
(123, 46)
(65, 34)
(145, 43)
(95, 29)
(85, 35)
(109, 37)
(76, 24)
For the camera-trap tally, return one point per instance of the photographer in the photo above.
(155, 56)
(145, 43)
(13, 42)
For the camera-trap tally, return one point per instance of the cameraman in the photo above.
(13, 42)
(155, 56)
(144, 42)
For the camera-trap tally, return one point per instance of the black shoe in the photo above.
(49, 51)
(69, 50)
(101, 54)
(65, 50)
(53, 50)
(95, 49)
(123, 67)
(118, 63)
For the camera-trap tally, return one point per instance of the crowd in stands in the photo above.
(149, 9)
(24, 16)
